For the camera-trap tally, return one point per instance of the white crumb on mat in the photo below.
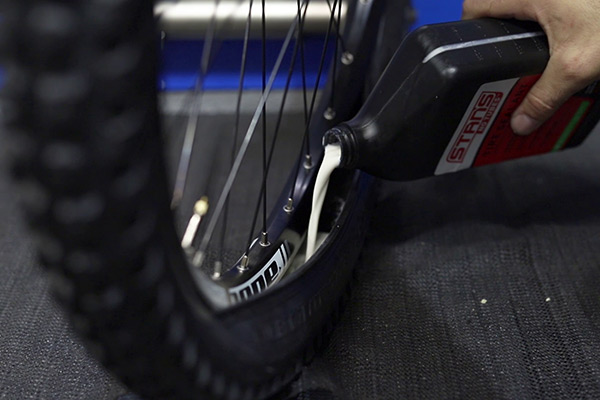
(483, 301)
(547, 299)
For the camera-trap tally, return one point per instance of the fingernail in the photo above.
(523, 124)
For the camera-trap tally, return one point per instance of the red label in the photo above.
(476, 124)
(502, 144)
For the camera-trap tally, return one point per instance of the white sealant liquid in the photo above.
(331, 160)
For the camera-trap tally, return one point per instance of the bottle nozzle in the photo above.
(343, 135)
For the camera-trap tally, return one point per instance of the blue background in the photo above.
(182, 58)
(434, 11)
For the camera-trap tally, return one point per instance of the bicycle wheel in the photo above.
(81, 102)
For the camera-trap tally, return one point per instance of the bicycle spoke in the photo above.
(236, 127)
(275, 135)
(264, 239)
(306, 140)
(330, 111)
(192, 122)
(289, 207)
(199, 257)
(301, 17)
(262, 197)
(338, 24)
(319, 75)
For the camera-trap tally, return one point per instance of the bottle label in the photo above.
(484, 135)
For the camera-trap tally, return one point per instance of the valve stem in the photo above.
(200, 210)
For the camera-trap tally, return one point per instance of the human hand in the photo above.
(573, 30)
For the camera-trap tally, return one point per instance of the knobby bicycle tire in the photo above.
(80, 103)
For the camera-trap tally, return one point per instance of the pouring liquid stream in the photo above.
(331, 160)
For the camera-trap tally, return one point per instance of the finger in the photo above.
(552, 89)
(519, 9)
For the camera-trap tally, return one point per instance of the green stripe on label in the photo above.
(562, 140)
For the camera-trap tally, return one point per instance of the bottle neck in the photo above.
(343, 136)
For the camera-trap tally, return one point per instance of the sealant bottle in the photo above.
(445, 100)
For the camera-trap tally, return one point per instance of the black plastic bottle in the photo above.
(445, 100)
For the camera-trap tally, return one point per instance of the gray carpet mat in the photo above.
(482, 284)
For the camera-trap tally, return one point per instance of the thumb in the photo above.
(552, 89)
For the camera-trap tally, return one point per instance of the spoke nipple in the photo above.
(308, 164)
(289, 207)
(329, 114)
(201, 206)
(200, 210)
(244, 263)
(347, 58)
(264, 239)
